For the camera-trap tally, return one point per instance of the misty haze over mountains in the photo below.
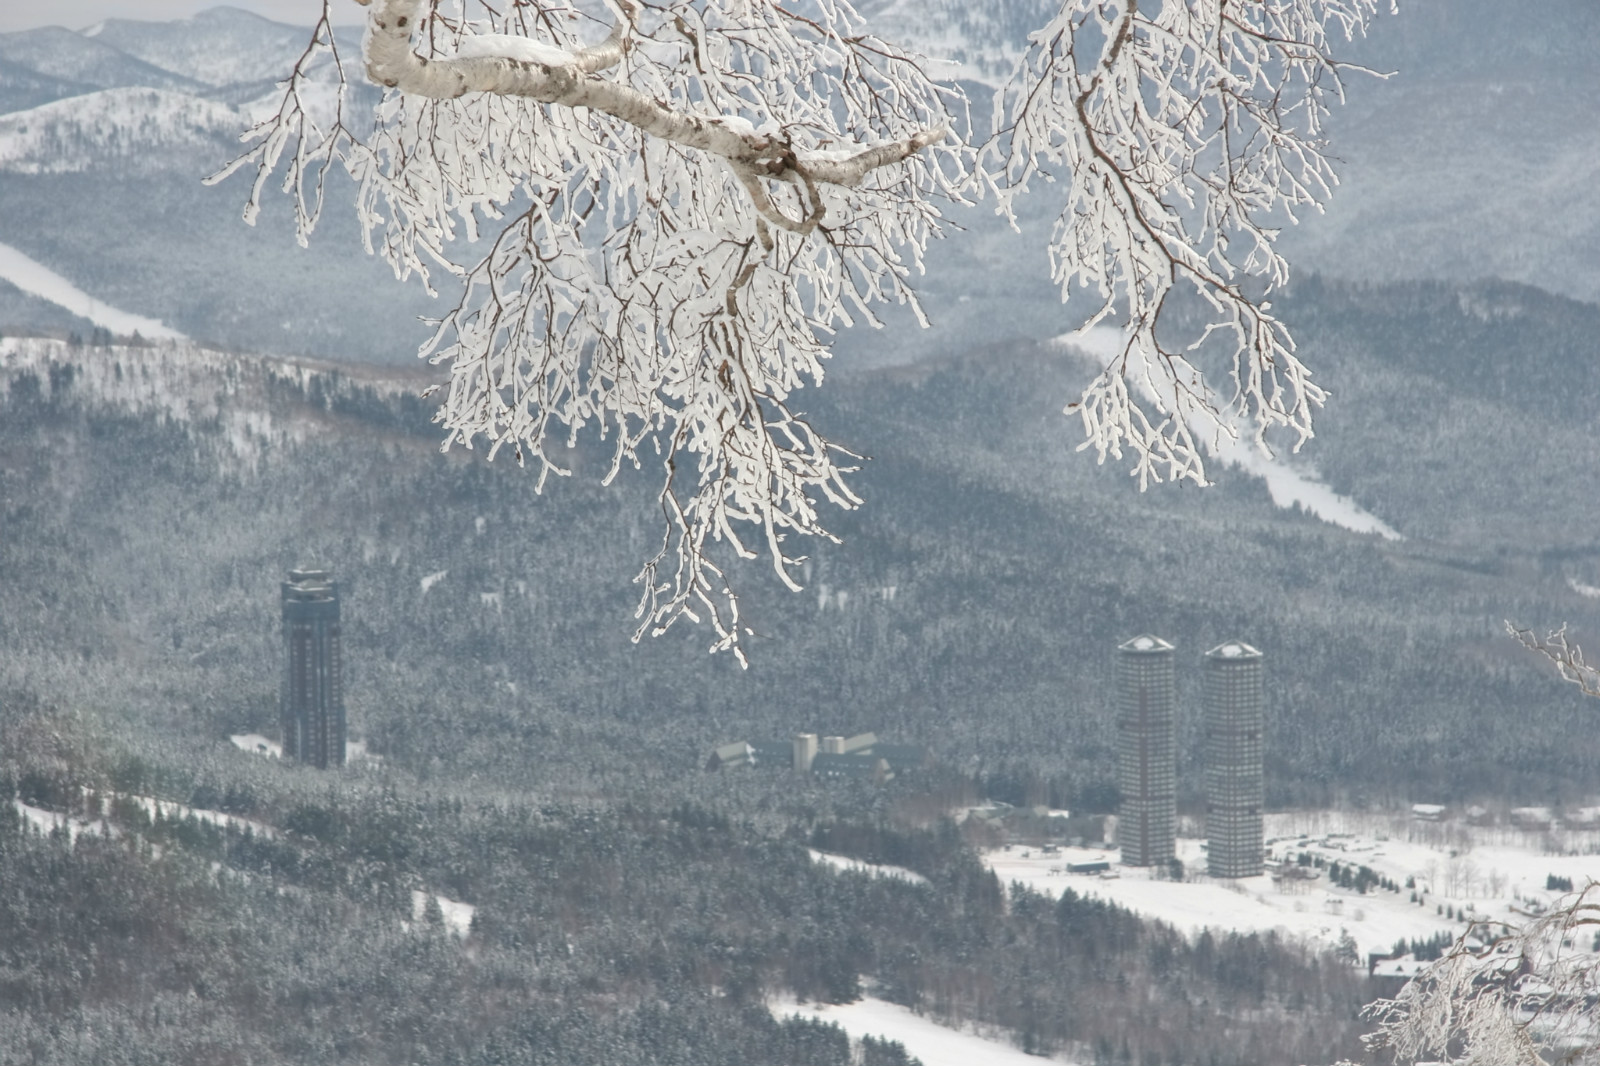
(1476, 160)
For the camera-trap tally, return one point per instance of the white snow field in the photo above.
(47, 821)
(256, 744)
(177, 811)
(1479, 871)
(457, 915)
(842, 862)
(934, 1044)
(36, 279)
(1288, 485)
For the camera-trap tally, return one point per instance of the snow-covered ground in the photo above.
(934, 1044)
(1289, 486)
(46, 821)
(173, 811)
(355, 750)
(1482, 871)
(457, 915)
(256, 744)
(36, 279)
(842, 862)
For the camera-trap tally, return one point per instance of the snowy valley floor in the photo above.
(1476, 871)
(934, 1044)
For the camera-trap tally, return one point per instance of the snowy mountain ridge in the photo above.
(196, 387)
(1475, 161)
(123, 125)
(57, 52)
(218, 47)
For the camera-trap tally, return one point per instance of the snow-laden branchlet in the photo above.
(1518, 991)
(1511, 993)
(1184, 133)
(661, 216)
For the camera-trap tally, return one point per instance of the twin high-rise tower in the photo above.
(311, 701)
(1147, 752)
(1234, 779)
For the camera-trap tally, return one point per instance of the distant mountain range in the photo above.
(1479, 159)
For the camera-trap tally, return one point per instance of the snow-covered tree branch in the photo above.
(661, 210)
(1511, 992)
(1507, 994)
(1185, 133)
(1567, 656)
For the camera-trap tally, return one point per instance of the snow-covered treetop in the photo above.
(662, 214)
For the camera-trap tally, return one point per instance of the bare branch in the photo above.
(1568, 657)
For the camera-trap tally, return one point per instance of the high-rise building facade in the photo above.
(1147, 769)
(311, 703)
(1234, 717)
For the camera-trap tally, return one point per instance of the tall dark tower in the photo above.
(1147, 768)
(1234, 789)
(311, 705)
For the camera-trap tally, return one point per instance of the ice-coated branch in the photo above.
(1511, 993)
(316, 143)
(655, 233)
(666, 221)
(1567, 656)
(1186, 132)
(506, 65)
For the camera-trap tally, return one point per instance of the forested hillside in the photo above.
(534, 763)
(972, 606)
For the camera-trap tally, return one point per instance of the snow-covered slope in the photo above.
(926, 1039)
(216, 47)
(114, 127)
(37, 280)
(230, 403)
(57, 52)
(1463, 179)
(980, 42)
(22, 87)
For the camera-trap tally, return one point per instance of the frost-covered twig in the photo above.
(1507, 994)
(677, 214)
(315, 148)
(679, 203)
(1568, 657)
(1186, 132)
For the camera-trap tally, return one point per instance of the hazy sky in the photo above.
(76, 14)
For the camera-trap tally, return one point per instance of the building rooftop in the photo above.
(1145, 643)
(1233, 649)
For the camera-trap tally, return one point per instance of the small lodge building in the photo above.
(738, 753)
(862, 756)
